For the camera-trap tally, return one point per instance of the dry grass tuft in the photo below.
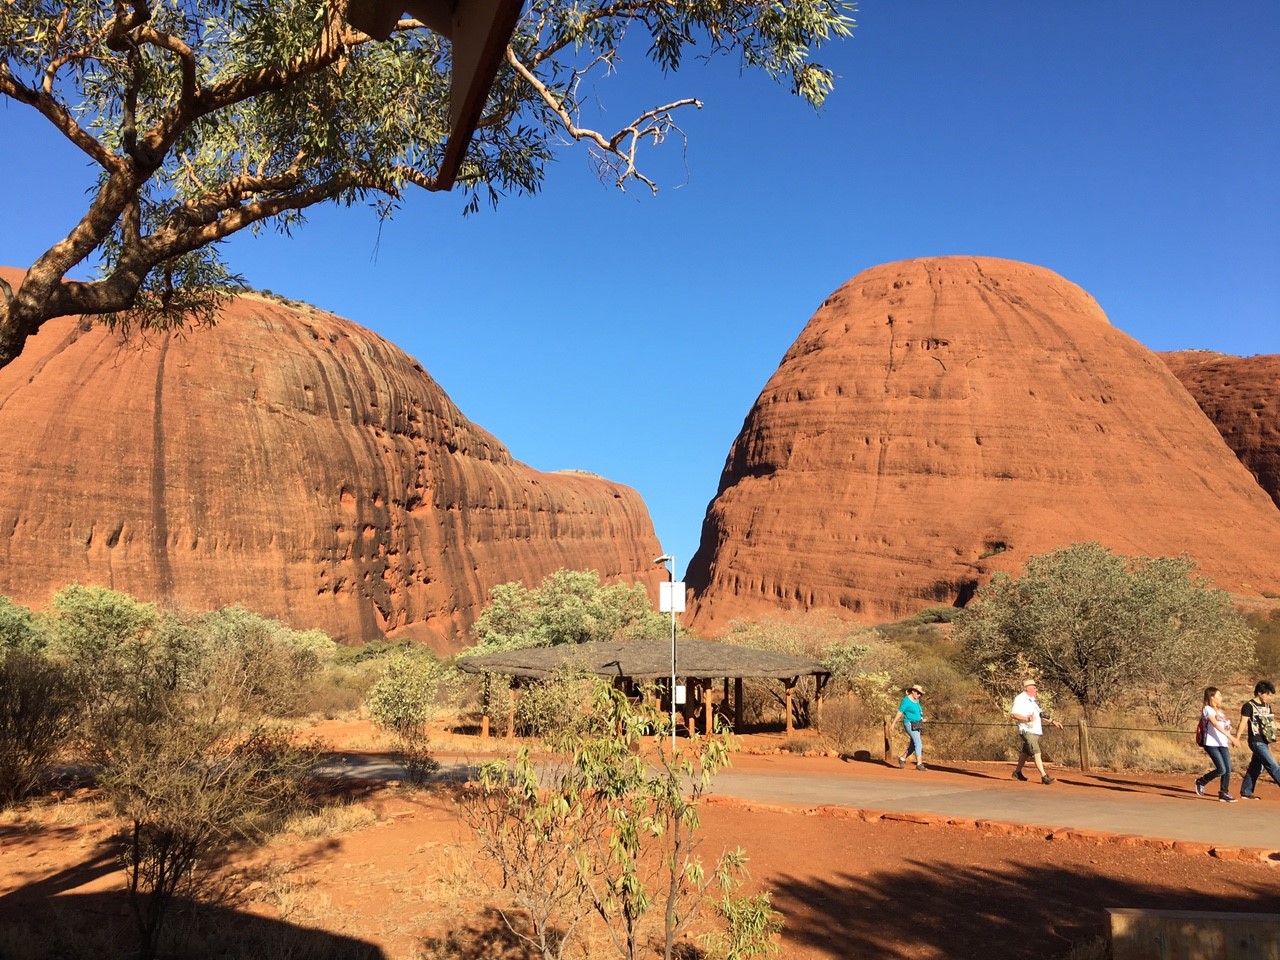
(332, 821)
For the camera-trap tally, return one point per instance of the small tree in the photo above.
(609, 825)
(570, 606)
(180, 714)
(404, 700)
(1101, 625)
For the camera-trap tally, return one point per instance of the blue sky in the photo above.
(1132, 147)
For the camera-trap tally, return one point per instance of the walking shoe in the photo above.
(921, 766)
(1226, 798)
(1017, 775)
(1046, 779)
(902, 763)
(1250, 796)
(1199, 789)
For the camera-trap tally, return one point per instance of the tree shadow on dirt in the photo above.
(99, 926)
(45, 919)
(1032, 911)
(486, 937)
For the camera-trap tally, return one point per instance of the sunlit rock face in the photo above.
(1241, 395)
(290, 461)
(938, 420)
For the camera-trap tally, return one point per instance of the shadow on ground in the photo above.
(1028, 913)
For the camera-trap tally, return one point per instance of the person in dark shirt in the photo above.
(1259, 724)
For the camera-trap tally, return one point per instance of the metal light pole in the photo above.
(671, 599)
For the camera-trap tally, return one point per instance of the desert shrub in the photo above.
(39, 708)
(18, 629)
(404, 700)
(279, 665)
(840, 646)
(179, 719)
(544, 707)
(848, 727)
(185, 792)
(751, 926)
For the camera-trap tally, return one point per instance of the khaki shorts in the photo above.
(1030, 744)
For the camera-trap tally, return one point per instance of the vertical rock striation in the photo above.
(288, 460)
(938, 420)
(1241, 395)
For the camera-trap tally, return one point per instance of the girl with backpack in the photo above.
(1218, 741)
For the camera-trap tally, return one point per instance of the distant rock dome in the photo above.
(290, 461)
(940, 419)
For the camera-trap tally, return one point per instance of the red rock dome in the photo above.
(288, 460)
(941, 419)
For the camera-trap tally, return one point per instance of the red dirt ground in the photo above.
(410, 884)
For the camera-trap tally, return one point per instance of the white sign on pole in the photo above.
(671, 593)
(680, 694)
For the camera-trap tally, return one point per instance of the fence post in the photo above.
(888, 746)
(1084, 745)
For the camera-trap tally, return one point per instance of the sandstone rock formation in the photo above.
(941, 419)
(1241, 395)
(288, 460)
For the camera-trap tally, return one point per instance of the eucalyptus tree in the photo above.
(1104, 627)
(204, 118)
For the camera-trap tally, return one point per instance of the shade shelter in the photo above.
(699, 661)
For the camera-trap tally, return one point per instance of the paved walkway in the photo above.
(1156, 806)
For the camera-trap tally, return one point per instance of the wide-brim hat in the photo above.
(915, 687)
(1029, 682)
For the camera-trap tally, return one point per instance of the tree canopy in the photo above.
(570, 606)
(1103, 626)
(204, 118)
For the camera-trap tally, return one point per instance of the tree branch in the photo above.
(60, 117)
(653, 124)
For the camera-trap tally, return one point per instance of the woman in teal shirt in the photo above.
(912, 716)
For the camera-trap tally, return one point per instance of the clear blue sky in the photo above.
(1132, 147)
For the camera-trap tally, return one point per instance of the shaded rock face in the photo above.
(288, 460)
(1241, 395)
(938, 420)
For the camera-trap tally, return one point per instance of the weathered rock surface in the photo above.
(1241, 395)
(288, 460)
(938, 420)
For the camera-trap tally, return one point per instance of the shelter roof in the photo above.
(644, 660)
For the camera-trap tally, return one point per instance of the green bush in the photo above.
(39, 708)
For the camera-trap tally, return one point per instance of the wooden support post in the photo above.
(790, 685)
(888, 744)
(737, 704)
(511, 713)
(820, 681)
(484, 727)
(1085, 759)
(707, 707)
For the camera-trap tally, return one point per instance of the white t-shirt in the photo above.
(1025, 705)
(1213, 737)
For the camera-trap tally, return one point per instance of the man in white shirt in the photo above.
(1028, 714)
